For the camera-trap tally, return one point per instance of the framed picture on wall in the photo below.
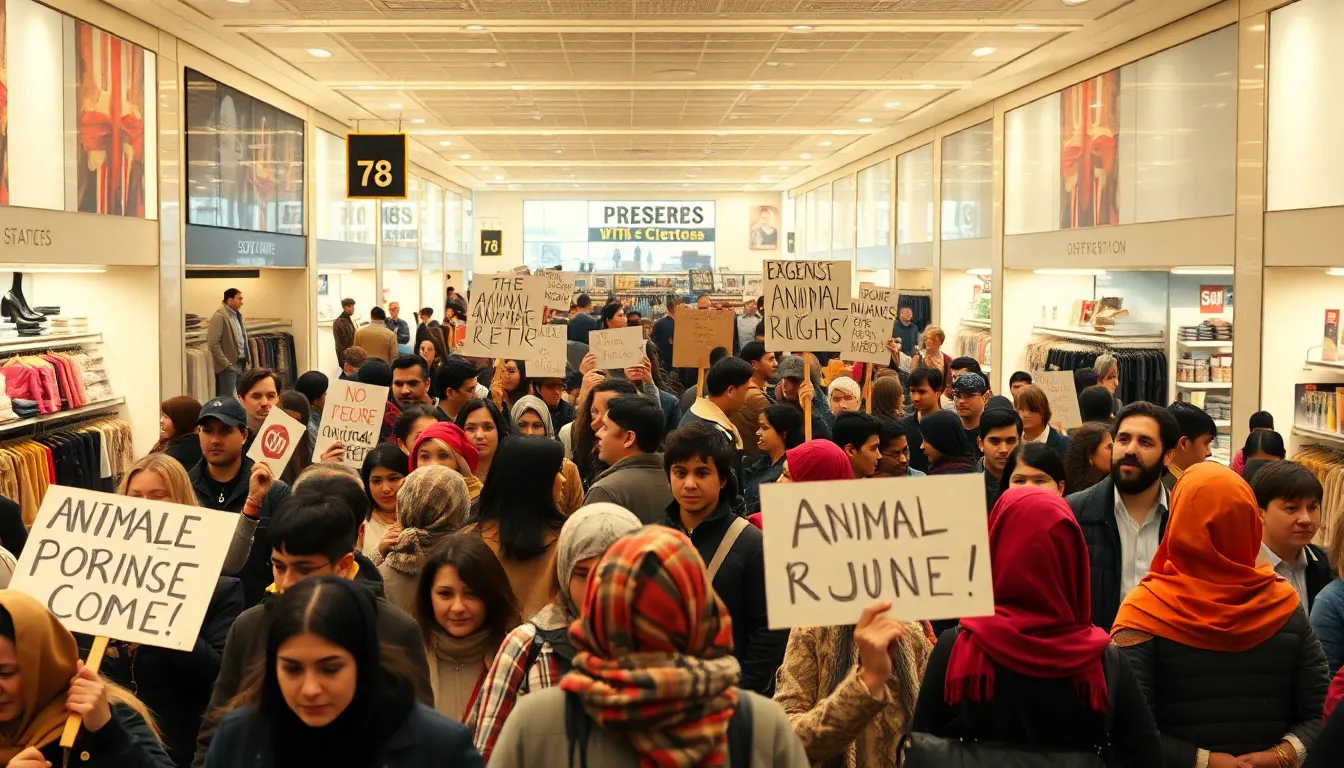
(764, 235)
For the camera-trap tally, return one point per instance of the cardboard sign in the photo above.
(807, 305)
(871, 318)
(277, 440)
(551, 354)
(132, 569)
(559, 289)
(833, 548)
(1063, 396)
(504, 317)
(376, 166)
(617, 348)
(699, 331)
(354, 415)
(1211, 299)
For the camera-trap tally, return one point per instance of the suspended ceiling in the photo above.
(706, 94)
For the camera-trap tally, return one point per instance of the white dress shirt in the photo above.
(1294, 572)
(1138, 542)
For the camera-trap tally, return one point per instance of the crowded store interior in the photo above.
(671, 383)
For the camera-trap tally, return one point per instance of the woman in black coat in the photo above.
(327, 696)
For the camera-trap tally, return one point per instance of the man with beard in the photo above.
(1124, 516)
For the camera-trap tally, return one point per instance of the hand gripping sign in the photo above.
(277, 440)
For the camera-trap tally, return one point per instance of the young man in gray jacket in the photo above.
(628, 442)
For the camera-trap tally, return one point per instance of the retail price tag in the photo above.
(376, 166)
(277, 440)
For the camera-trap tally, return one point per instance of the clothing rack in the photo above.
(1143, 366)
(93, 454)
(1327, 463)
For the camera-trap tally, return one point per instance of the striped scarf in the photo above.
(654, 666)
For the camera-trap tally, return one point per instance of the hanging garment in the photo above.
(1143, 371)
(93, 454)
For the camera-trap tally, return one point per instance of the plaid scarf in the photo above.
(654, 665)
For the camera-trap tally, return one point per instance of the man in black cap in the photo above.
(229, 481)
(969, 395)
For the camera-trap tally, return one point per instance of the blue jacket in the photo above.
(426, 740)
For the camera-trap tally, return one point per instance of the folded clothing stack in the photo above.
(24, 409)
(69, 326)
(6, 405)
(96, 385)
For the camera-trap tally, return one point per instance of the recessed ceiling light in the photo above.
(393, 105)
(559, 151)
(865, 119)
(983, 51)
(783, 167)
(474, 28)
(772, 63)
(1073, 2)
(757, 86)
(517, 87)
(417, 121)
(1027, 27)
(891, 105)
(499, 177)
(239, 2)
(464, 156)
(445, 143)
(826, 143)
(800, 28)
(319, 53)
(485, 167)
(927, 86)
(805, 156)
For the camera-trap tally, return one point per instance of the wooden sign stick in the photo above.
(700, 381)
(807, 404)
(868, 387)
(95, 660)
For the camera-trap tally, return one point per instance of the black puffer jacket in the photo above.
(1231, 702)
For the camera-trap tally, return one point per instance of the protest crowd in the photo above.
(579, 569)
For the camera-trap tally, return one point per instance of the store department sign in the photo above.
(218, 247)
(1153, 245)
(62, 237)
(376, 166)
(681, 221)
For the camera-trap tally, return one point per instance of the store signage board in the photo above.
(670, 222)
(1199, 242)
(37, 236)
(807, 305)
(492, 242)
(559, 289)
(376, 166)
(1062, 395)
(617, 348)
(504, 316)
(550, 354)
(833, 548)
(128, 568)
(219, 247)
(871, 319)
(277, 440)
(699, 331)
(1211, 299)
(353, 415)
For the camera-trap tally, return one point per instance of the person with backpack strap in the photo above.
(1036, 684)
(654, 681)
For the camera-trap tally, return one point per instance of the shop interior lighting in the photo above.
(981, 271)
(891, 105)
(978, 52)
(1335, 271)
(865, 119)
(800, 28)
(1092, 272)
(319, 53)
(1201, 270)
(50, 269)
(475, 28)
(464, 156)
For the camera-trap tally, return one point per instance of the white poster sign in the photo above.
(834, 548)
(617, 348)
(504, 316)
(807, 305)
(871, 318)
(277, 440)
(1063, 396)
(551, 354)
(353, 415)
(559, 289)
(132, 569)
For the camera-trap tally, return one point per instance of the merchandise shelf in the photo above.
(974, 323)
(1318, 434)
(59, 416)
(1222, 423)
(1204, 344)
(1109, 337)
(54, 341)
(1204, 384)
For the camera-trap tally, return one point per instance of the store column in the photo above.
(1248, 279)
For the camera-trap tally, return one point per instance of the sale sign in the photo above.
(1211, 299)
(277, 440)
(353, 414)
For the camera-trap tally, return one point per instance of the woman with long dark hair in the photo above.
(329, 695)
(532, 418)
(946, 445)
(465, 607)
(510, 382)
(518, 515)
(177, 430)
(1088, 459)
(431, 505)
(888, 398)
(487, 427)
(385, 467)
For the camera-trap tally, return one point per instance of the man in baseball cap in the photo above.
(225, 479)
(969, 395)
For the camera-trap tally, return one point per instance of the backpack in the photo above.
(578, 725)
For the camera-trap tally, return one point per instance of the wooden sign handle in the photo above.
(700, 381)
(95, 660)
(807, 404)
(867, 387)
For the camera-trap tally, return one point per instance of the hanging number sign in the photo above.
(375, 166)
(492, 242)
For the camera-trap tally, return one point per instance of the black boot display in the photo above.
(15, 300)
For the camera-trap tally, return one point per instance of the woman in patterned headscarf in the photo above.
(431, 504)
(654, 679)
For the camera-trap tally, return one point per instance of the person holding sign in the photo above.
(1033, 407)
(1036, 675)
(654, 681)
(327, 696)
(43, 682)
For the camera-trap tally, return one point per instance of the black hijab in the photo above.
(943, 430)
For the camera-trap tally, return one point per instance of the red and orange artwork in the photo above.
(110, 81)
(1089, 133)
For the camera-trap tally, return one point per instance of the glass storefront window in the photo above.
(817, 223)
(345, 238)
(1305, 106)
(401, 247)
(431, 248)
(874, 217)
(967, 182)
(618, 235)
(842, 219)
(555, 232)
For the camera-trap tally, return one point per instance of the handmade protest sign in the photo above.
(807, 305)
(353, 415)
(617, 348)
(559, 289)
(277, 440)
(549, 358)
(1062, 395)
(699, 331)
(504, 318)
(130, 568)
(871, 318)
(833, 548)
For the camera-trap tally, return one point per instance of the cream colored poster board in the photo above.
(806, 305)
(617, 348)
(699, 331)
(353, 414)
(1063, 396)
(277, 440)
(504, 316)
(132, 569)
(871, 318)
(833, 548)
(550, 356)
(559, 289)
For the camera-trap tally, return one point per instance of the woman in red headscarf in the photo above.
(1036, 674)
(654, 681)
(446, 444)
(1225, 654)
(813, 460)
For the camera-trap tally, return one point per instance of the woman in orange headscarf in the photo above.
(1227, 659)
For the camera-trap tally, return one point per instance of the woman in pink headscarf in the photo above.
(813, 460)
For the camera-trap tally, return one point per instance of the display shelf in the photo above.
(1110, 337)
(1203, 344)
(29, 343)
(1336, 364)
(1318, 434)
(59, 416)
(1204, 385)
(971, 322)
(1222, 423)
